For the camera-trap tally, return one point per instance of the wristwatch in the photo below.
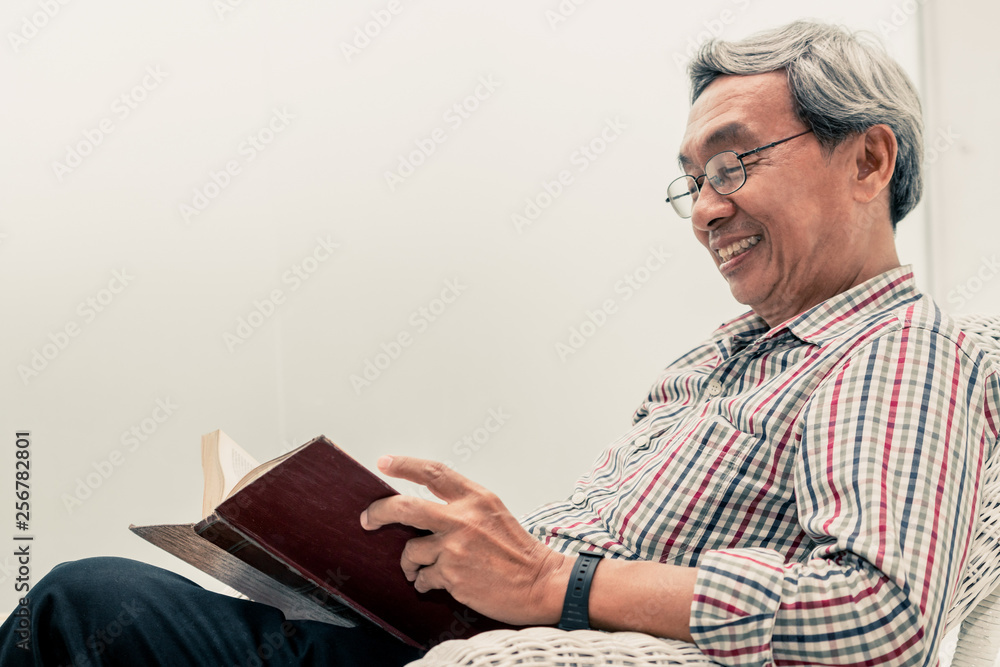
(576, 607)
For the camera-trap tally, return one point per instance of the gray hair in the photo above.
(842, 83)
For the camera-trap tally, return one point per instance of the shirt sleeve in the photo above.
(891, 446)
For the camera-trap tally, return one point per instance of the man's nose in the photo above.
(710, 208)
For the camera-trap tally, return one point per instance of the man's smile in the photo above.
(732, 249)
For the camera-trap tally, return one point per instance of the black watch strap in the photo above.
(576, 607)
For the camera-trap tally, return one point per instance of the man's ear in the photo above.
(876, 161)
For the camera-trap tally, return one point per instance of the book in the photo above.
(288, 533)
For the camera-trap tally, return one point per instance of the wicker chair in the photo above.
(976, 607)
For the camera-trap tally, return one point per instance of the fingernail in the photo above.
(364, 519)
(384, 462)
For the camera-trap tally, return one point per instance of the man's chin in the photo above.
(742, 292)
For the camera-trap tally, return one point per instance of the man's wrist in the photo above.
(553, 589)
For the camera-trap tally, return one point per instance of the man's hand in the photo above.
(477, 551)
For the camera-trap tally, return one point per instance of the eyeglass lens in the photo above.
(725, 174)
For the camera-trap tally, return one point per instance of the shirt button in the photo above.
(642, 441)
(579, 498)
(714, 388)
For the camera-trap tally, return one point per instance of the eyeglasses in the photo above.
(724, 171)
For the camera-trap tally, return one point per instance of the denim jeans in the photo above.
(115, 611)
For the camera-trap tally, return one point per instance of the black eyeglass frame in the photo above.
(743, 169)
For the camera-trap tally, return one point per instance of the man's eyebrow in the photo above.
(730, 134)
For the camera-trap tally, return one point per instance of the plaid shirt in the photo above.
(822, 476)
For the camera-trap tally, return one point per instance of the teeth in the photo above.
(738, 248)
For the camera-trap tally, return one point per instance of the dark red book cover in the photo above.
(301, 521)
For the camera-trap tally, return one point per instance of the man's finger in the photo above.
(418, 553)
(407, 510)
(442, 481)
(428, 579)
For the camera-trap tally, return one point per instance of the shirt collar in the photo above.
(833, 317)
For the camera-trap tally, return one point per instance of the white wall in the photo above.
(961, 64)
(65, 233)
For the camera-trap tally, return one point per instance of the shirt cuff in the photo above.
(736, 597)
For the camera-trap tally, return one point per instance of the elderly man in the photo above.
(800, 489)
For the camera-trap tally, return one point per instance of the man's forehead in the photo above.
(736, 111)
(733, 133)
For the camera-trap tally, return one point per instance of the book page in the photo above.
(224, 463)
(235, 461)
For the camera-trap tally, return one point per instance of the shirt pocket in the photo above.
(679, 501)
(714, 445)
